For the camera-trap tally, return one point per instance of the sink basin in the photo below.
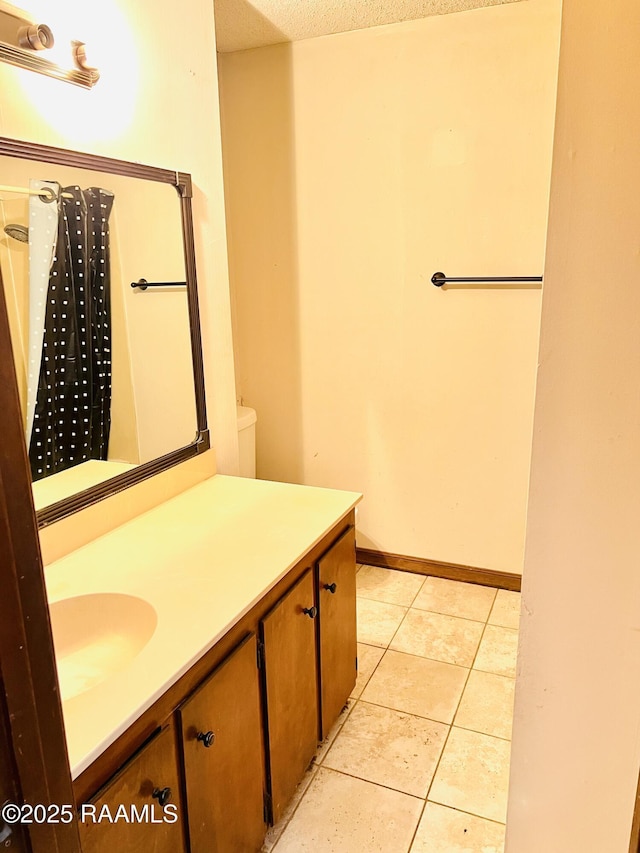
(97, 635)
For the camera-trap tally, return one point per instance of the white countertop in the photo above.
(202, 560)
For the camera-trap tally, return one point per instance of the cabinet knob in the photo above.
(310, 611)
(162, 795)
(207, 738)
(331, 587)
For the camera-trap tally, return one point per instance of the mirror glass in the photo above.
(105, 371)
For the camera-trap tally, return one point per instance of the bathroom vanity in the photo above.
(211, 646)
(204, 633)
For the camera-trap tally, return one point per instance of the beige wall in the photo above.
(576, 743)
(357, 165)
(157, 103)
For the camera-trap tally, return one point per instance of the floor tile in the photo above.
(368, 660)
(473, 774)
(498, 651)
(276, 831)
(506, 609)
(390, 748)
(417, 685)
(454, 598)
(445, 830)
(487, 704)
(378, 622)
(444, 638)
(388, 585)
(340, 814)
(325, 746)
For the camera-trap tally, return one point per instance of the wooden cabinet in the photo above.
(223, 757)
(291, 692)
(337, 640)
(130, 813)
(238, 729)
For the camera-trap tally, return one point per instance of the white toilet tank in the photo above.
(247, 440)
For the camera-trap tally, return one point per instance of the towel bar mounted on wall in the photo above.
(439, 278)
(143, 284)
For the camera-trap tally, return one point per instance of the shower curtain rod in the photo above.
(45, 192)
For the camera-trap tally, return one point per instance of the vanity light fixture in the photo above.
(35, 37)
(23, 40)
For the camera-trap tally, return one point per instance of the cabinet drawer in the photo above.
(336, 573)
(140, 788)
(291, 693)
(224, 758)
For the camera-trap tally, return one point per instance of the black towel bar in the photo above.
(143, 284)
(439, 278)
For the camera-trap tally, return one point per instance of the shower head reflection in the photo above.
(18, 232)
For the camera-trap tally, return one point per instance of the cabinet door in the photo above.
(224, 758)
(139, 791)
(337, 627)
(291, 692)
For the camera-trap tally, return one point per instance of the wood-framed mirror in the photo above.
(97, 263)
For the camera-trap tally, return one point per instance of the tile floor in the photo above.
(419, 760)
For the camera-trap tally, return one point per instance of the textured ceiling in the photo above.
(241, 24)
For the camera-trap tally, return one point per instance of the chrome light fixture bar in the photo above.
(22, 42)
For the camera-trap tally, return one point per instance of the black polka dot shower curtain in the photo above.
(69, 407)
